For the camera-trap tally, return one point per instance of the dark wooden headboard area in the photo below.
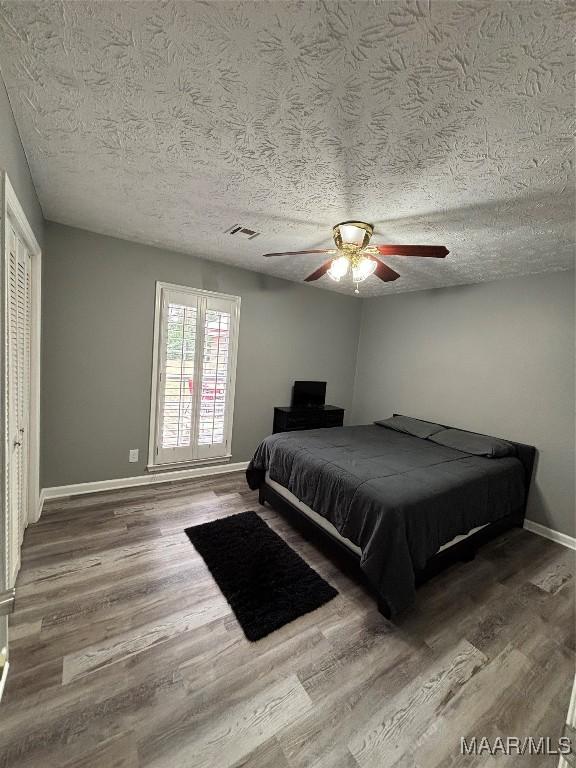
(525, 453)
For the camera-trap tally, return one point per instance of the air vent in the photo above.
(239, 229)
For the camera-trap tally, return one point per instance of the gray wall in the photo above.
(98, 312)
(496, 357)
(13, 160)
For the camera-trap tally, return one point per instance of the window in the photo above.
(195, 341)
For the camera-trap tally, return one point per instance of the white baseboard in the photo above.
(549, 533)
(41, 499)
(61, 491)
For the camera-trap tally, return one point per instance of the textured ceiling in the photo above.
(440, 122)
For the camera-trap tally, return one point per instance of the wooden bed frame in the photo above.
(464, 550)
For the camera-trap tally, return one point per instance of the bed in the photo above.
(403, 505)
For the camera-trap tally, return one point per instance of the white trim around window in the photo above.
(193, 377)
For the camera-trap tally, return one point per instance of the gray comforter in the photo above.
(397, 497)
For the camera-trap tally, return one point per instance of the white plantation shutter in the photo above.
(196, 336)
(214, 392)
(177, 375)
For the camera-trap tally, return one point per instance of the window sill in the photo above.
(155, 468)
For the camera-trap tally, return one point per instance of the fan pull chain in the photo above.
(356, 291)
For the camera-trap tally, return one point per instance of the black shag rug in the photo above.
(266, 583)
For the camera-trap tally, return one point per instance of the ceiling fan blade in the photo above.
(319, 272)
(432, 251)
(384, 272)
(298, 253)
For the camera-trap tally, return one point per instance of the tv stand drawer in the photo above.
(288, 419)
(334, 419)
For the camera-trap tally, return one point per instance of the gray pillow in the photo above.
(470, 442)
(410, 426)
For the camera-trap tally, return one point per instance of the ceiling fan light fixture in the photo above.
(354, 255)
(363, 269)
(339, 268)
(352, 233)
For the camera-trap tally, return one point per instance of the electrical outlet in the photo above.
(133, 455)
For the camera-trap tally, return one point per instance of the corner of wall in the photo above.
(354, 416)
(14, 160)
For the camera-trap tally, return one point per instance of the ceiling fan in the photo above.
(353, 254)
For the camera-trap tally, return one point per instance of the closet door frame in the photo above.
(11, 211)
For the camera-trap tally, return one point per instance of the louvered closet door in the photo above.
(25, 319)
(18, 393)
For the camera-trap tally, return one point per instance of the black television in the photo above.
(308, 394)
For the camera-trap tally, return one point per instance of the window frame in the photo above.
(162, 289)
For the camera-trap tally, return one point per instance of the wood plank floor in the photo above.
(124, 652)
